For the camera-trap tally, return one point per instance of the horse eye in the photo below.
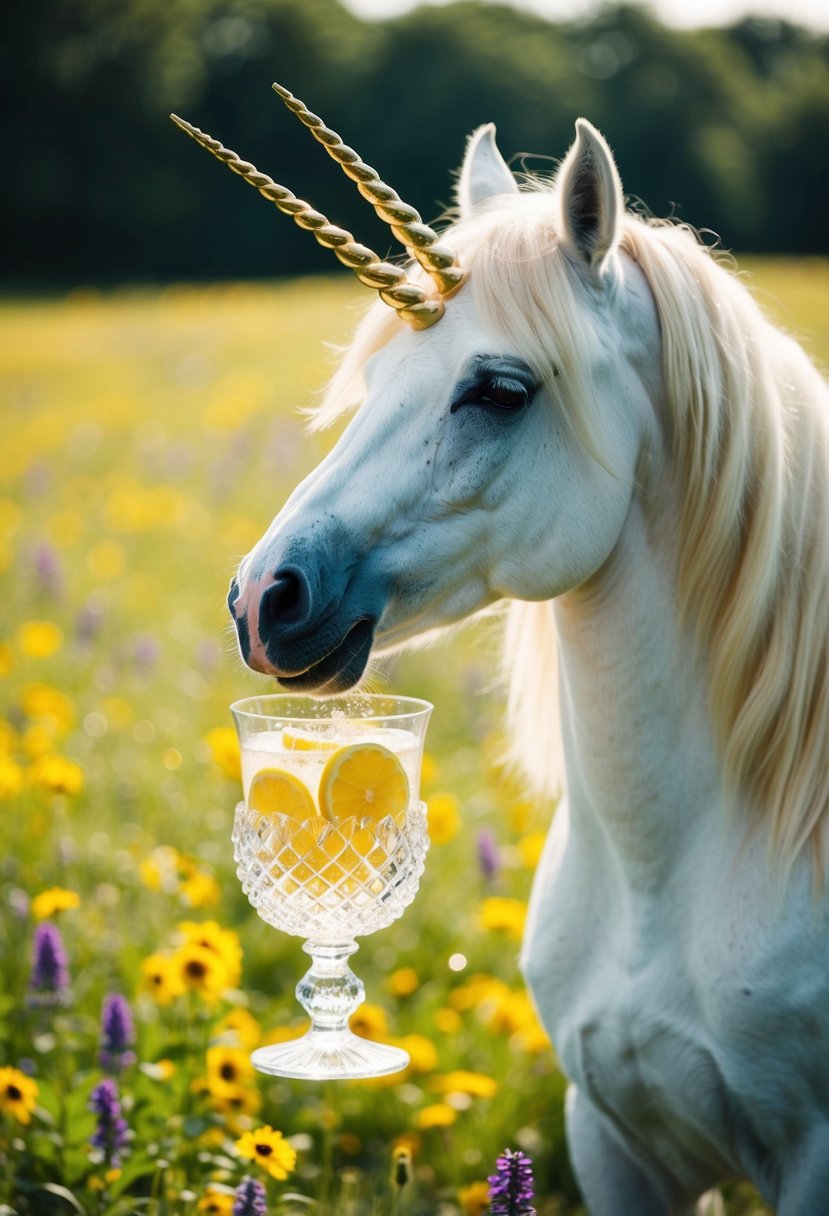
(505, 396)
(496, 394)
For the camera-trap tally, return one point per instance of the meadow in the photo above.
(148, 439)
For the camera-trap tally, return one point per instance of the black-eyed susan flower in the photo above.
(227, 1068)
(201, 970)
(370, 1022)
(18, 1094)
(224, 943)
(161, 977)
(269, 1149)
(240, 1029)
(215, 1201)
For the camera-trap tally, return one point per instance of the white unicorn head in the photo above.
(494, 455)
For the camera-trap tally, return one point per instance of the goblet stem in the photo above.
(330, 992)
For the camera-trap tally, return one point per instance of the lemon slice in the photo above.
(305, 741)
(273, 791)
(365, 780)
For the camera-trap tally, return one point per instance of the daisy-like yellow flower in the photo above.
(474, 1199)
(199, 889)
(530, 848)
(501, 915)
(235, 1103)
(11, 778)
(18, 1094)
(269, 1149)
(160, 976)
(201, 970)
(443, 814)
(215, 1202)
(55, 899)
(438, 1115)
(228, 1068)
(224, 749)
(224, 943)
(476, 1084)
(57, 774)
(370, 1022)
(38, 639)
(240, 1028)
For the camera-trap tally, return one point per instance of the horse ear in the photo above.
(591, 198)
(484, 173)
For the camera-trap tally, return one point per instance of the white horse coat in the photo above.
(599, 409)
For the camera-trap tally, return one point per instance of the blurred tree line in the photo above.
(728, 128)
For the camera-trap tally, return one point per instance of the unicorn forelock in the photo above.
(746, 425)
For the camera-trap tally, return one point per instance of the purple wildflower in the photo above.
(49, 981)
(489, 860)
(249, 1199)
(111, 1134)
(511, 1186)
(117, 1033)
(47, 567)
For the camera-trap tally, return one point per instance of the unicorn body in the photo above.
(604, 431)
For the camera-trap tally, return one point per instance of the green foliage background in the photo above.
(728, 129)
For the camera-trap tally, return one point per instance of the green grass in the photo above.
(149, 438)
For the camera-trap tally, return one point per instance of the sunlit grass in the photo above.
(148, 440)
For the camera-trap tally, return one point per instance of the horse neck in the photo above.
(642, 771)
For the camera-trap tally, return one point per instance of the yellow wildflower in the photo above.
(38, 639)
(236, 1101)
(474, 1199)
(11, 778)
(404, 982)
(18, 1094)
(48, 705)
(55, 899)
(199, 889)
(161, 978)
(370, 1022)
(201, 971)
(228, 1068)
(476, 1084)
(224, 943)
(437, 1115)
(241, 1028)
(216, 1202)
(422, 1054)
(502, 915)
(443, 817)
(57, 775)
(9, 738)
(401, 1165)
(224, 748)
(448, 1021)
(269, 1149)
(6, 656)
(478, 990)
(529, 849)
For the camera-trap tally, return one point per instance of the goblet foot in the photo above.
(324, 1056)
(329, 1051)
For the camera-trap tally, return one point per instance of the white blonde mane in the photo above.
(747, 431)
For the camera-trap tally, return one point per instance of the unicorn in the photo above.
(582, 413)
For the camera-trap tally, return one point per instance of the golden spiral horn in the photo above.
(422, 242)
(408, 299)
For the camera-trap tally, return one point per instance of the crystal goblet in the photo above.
(329, 876)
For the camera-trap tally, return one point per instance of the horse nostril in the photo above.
(286, 602)
(232, 596)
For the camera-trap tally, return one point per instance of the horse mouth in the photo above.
(338, 670)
